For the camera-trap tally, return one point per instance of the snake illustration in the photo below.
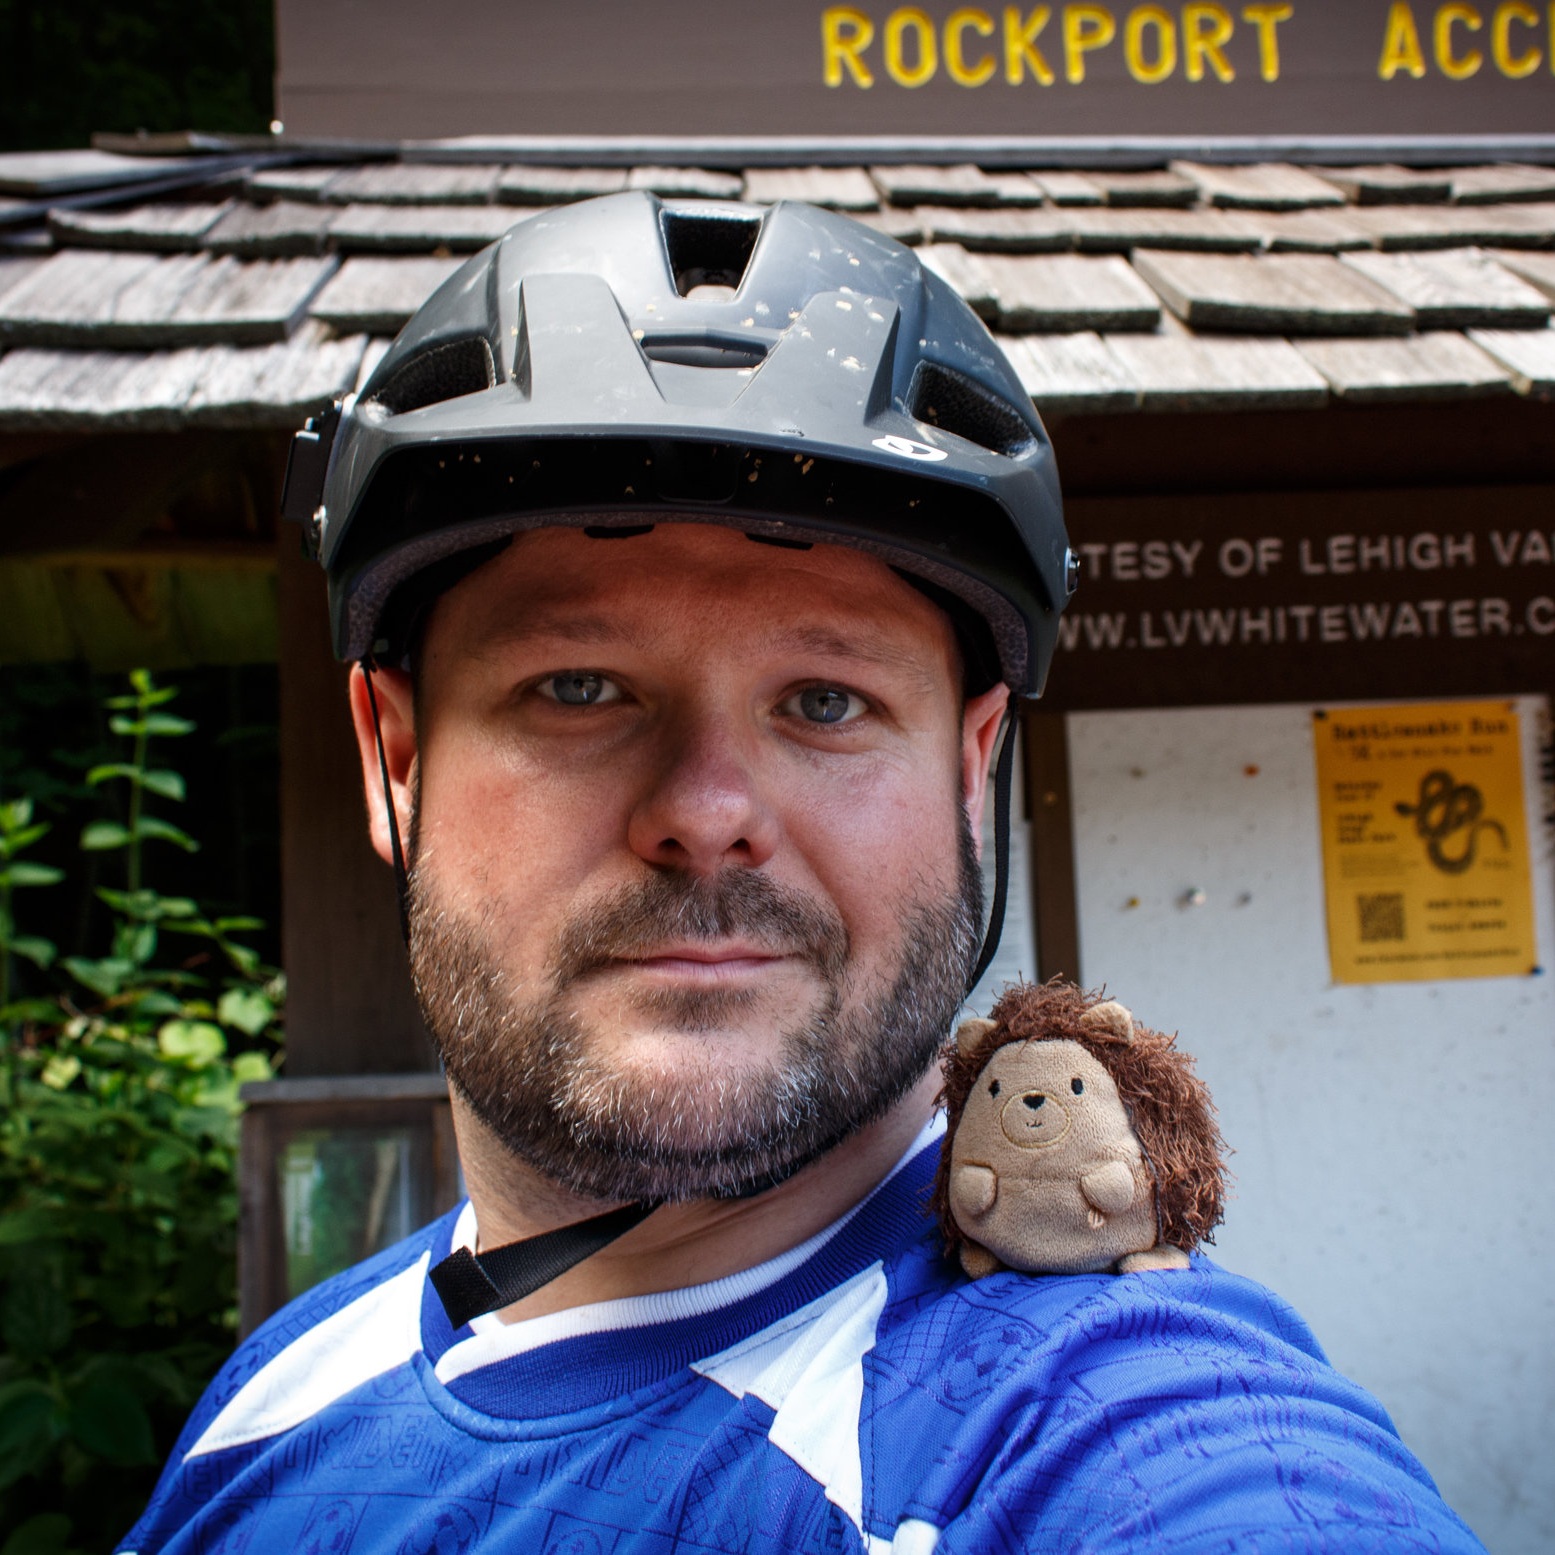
(1445, 808)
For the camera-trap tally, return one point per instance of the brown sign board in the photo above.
(1308, 597)
(397, 69)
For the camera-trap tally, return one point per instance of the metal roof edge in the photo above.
(1057, 151)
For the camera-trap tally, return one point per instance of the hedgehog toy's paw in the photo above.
(978, 1261)
(1158, 1257)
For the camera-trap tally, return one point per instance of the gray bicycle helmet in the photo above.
(784, 370)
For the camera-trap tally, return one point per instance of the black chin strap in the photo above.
(472, 1284)
(1002, 779)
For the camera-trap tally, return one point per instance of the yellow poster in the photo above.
(1425, 845)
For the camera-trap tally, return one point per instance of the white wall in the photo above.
(1395, 1143)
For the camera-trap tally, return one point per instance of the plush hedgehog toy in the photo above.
(1077, 1141)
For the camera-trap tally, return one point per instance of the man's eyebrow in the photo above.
(567, 625)
(826, 642)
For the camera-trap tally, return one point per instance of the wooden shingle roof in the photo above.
(162, 292)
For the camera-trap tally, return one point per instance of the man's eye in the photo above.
(579, 688)
(827, 705)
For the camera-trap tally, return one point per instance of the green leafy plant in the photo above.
(118, 1146)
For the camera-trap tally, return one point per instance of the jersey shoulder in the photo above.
(1168, 1410)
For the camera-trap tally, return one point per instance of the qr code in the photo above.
(1382, 916)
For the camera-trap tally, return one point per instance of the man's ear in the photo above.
(397, 717)
(979, 730)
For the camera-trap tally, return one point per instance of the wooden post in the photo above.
(350, 1009)
(1055, 911)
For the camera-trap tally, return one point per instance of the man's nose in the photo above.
(704, 807)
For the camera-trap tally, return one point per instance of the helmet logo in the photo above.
(907, 448)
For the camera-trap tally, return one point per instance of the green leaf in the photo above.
(152, 1003)
(247, 1067)
(147, 905)
(15, 813)
(60, 1070)
(33, 948)
(242, 957)
(141, 680)
(247, 1009)
(29, 1423)
(128, 727)
(167, 725)
(37, 1011)
(237, 925)
(21, 873)
(15, 841)
(101, 835)
(136, 943)
(109, 1420)
(112, 769)
(105, 977)
(151, 826)
(198, 1041)
(45, 1533)
(170, 785)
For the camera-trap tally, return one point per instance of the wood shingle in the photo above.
(414, 183)
(558, 185)
(699, 183)
(1264, 186)
(285, 229)
(1069, 293)
(837, 188)
(1458, 288)
(958, 185)
(420, 229)
(374, 295)
(83, 298)
(1440, 364)
(1538, 269)
(1177, 371)
(1297, 294)
(156, 228)
(1527, 354)
(1072, 373)
(1387, 185)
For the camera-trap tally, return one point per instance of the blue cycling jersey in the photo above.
(857, 1394)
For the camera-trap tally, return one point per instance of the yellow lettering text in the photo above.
(957, 25)
(1509, 64)
(845, 34)
(1150, 71)
(1459, 67)
(1205, 32)
(1401, 44)
(897, 25)
(1086, 27)
(1266, 18)
(1021, 53)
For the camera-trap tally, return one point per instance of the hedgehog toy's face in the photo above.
(1040, 1096)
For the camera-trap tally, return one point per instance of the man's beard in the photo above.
(617, 1132)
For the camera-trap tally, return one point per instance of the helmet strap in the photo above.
(1002, 781)
(391, 816)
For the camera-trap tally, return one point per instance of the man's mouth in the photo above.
(702, 963)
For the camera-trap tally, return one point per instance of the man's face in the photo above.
(693, 890)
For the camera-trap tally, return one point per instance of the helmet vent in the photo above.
(706, 249)
(444, 372)
(958, 405)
